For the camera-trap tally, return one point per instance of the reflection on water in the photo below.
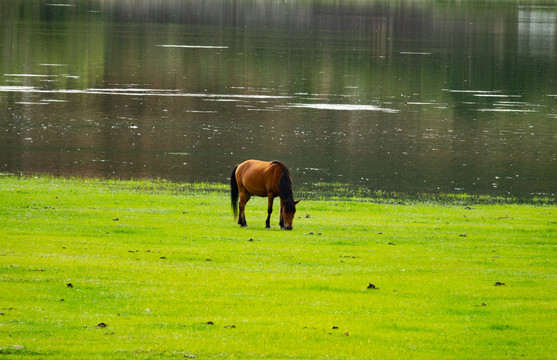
(537, 30)
(397, 96)
(194, 46)
(345, 107)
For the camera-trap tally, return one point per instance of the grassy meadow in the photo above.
(148, 269)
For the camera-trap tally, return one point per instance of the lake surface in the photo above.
(406, 96)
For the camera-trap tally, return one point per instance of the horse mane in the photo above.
(285, 188)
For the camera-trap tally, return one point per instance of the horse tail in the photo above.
(234, 191)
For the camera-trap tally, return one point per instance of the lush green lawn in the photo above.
(107, 269)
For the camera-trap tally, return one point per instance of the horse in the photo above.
(264, 179)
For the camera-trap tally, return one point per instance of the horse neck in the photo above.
(285, 183)
(285, 187)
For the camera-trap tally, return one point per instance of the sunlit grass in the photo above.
(171, 275)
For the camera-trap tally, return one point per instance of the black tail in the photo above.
(234, 192)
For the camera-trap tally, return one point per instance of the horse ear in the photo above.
(296, 202)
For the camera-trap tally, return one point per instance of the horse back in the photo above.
(259, 178)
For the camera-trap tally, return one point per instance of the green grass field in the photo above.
(138, 269)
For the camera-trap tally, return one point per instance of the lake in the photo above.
(395, 96)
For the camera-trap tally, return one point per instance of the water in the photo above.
(407, 96)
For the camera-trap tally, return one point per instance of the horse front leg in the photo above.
(269, 211)
(281, 223)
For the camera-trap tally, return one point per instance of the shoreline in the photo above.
(319, 191)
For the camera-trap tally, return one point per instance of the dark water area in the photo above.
(404, 96)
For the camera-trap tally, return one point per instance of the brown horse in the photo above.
(265, 179)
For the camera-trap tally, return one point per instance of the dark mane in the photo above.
(285, 188)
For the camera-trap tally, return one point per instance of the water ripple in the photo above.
(193, 46)
(136, 92)
(345, 107)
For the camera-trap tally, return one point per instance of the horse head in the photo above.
(288, 210)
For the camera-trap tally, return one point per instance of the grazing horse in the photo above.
(265, 179)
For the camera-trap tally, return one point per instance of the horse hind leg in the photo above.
(244, 198)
